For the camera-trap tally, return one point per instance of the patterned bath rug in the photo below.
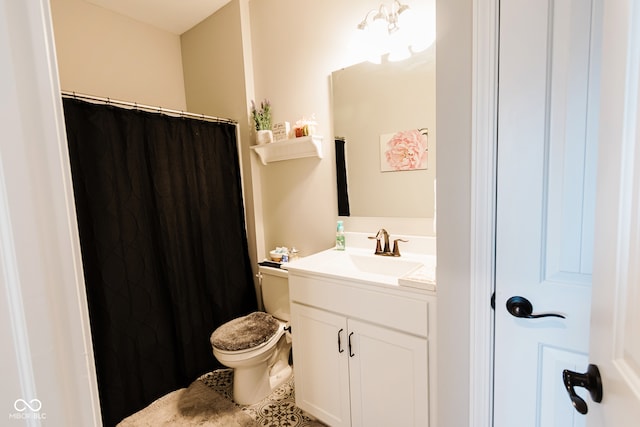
(208, 402)
(197, 405)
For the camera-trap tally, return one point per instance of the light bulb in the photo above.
(422, 37)
(399, 45)
(399, 54)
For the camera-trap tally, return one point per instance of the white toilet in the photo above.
(257, 346)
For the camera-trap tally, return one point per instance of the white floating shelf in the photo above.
(296, 148)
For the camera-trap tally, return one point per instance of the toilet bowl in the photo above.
(257, 346)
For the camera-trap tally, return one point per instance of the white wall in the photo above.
(47, 355)
(105, 54)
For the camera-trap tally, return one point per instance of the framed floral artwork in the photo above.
(404, 150)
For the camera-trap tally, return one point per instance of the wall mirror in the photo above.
(371, 102)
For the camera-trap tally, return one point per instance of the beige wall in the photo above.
(218, 81)
(453, 103)
(289, 61)
(294, 52)
(370, 100)
(105, 54)
(212, 57)
(292, 61)
(290, 203)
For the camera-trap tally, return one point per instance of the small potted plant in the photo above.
(262, 121)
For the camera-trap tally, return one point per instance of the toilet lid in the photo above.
(245, 332)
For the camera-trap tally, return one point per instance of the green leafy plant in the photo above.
(261, 117)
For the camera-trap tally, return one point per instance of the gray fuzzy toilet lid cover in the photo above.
(245, 332)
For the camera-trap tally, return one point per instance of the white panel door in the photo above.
(321, 364)
(546, 173)
(615, 320)
(389, 377)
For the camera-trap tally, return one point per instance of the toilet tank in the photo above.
(274, 286)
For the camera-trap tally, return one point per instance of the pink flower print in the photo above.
(407, 150)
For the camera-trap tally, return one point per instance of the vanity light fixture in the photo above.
(385, 32)
(385, 16)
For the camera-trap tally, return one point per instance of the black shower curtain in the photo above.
(164, 248)
(341, 178)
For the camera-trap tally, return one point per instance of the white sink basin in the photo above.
(387, 266)
(359, 265)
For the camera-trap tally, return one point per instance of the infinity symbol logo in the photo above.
(22, 405)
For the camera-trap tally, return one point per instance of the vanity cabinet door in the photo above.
(388, 377)
(321, 366)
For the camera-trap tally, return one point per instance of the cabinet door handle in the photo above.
(350, 353)
(340, 349)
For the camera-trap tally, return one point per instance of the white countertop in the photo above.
(362, 265)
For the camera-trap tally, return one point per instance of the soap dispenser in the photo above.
(340, 242)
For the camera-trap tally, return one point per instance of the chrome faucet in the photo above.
(383, 234)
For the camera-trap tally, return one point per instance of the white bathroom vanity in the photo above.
(363, 344)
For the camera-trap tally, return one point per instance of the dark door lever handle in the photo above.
(590, 380)
(521, 307)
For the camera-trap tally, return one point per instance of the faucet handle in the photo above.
(378, 247)
(396, 247)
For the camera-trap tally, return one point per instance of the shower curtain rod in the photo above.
(149, 108)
